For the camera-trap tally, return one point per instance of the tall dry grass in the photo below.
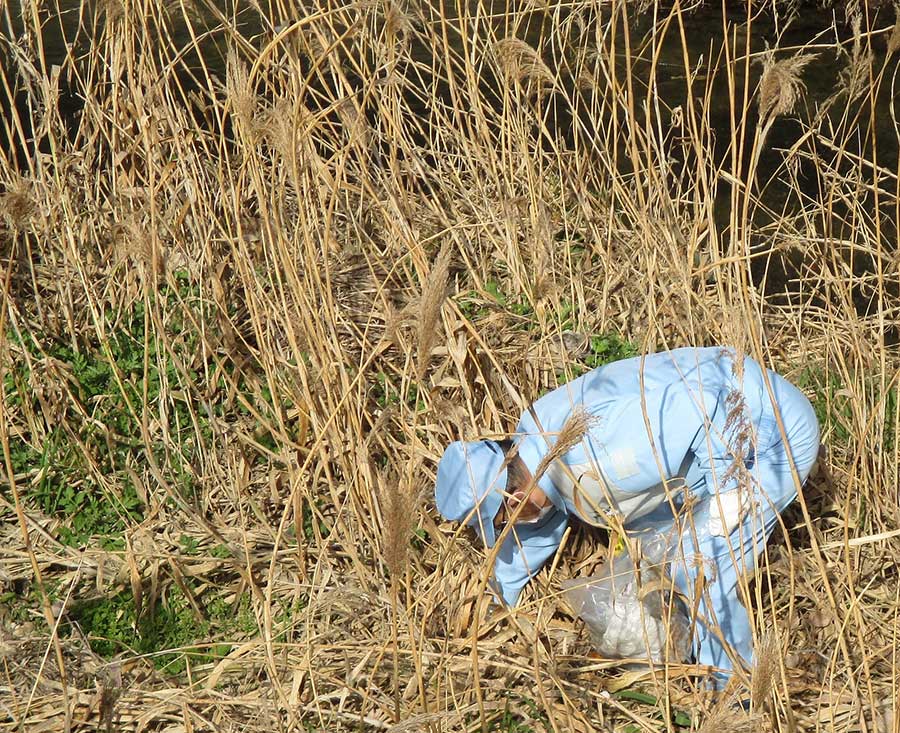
(343, 235)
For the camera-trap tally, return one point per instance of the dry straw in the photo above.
(209, 277)
(893, 44)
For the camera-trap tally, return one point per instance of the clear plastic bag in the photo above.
(630, 612)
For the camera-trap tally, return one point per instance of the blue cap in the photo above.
(470, 479)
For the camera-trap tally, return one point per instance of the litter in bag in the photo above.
(630, 611)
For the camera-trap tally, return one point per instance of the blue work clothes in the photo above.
(686, 443)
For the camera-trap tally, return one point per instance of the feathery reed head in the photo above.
(893, 43)
(521, 63)
(17, 204)
(854, 78)
(278, 129)
(397, 21)
(765, 667)
(113, 10)
(573, 432)
(433, 295)
(237, 89)
(781, 86)
(727, 715)
(398, 511)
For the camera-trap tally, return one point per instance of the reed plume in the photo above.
(854, 78)
(728, 716)
(574, 430)
(781, 85)
(779, 90)
(398, 509)
(430, 305)
(18, 204)
(237, 90)
(398, 22)
(765, 667)
(521, 63)
(398, 515)
(893, 44)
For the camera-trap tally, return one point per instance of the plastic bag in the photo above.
(632, 614)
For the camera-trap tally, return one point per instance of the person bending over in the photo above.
(685, 442)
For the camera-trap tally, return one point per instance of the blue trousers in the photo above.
(722, 633)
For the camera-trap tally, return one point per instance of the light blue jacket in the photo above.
(692, 415)
(639, 439)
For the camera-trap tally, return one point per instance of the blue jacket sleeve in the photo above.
(524, 551)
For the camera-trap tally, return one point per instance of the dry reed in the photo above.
(780, 86)
(214, 237)
(573, 431)
(521, 63)
(433, 294)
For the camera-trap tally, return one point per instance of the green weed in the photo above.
(603, 349)
(523, 719)
(566, 315)
(172, 634)
(189, 545)
(511, 722)
(473, 305)
(679, 719)
(23, 603)
(65, 459)
(833, 408)
(312, 521)
(833, 404)
(607, 348)
(386, 394)
(80, 462)
(286, 615)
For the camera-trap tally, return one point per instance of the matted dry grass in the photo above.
(383, 227)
